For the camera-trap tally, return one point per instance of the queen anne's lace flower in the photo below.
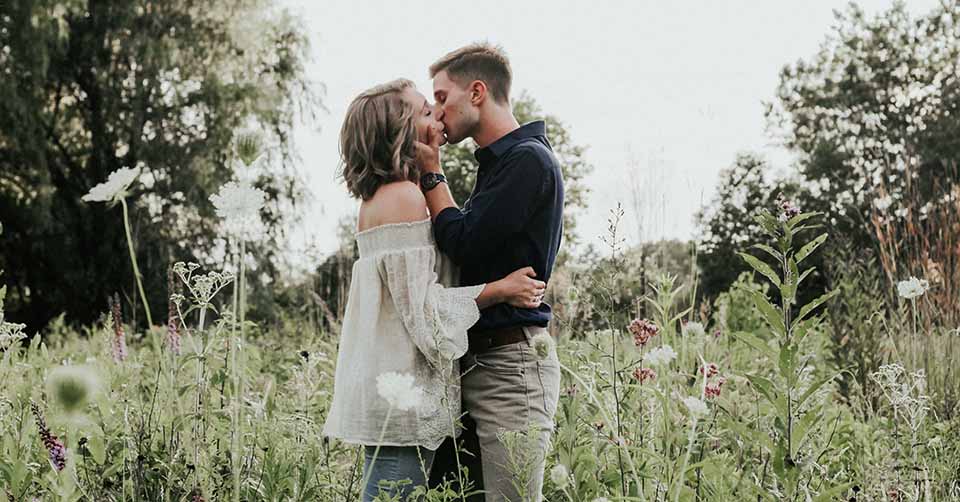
(10, 333)
(693, 328)
(660, 356)
(239, 204)
(912, 288)
(115, 187)
(399, 390)
(560, 475)
(697, 407)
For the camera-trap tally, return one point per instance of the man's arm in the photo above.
(428, 159)
(504, 207)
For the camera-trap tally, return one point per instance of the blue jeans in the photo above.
(395, 463)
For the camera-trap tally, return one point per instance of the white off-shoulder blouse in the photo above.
(401, 318)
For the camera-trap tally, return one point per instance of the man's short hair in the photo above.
(478, 61)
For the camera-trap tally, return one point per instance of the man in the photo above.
(512, 219)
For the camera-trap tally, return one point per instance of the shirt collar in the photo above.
(501, 146)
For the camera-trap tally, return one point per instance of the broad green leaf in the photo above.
(761, 267)
(769, 390)
(810, 247)
(756, 343)
(787, 362)
(753, 435)
(796, 220)
(801, 329)
(777, 255)
(814, 388)
(805, 227)
(789, 290)
(767, 222)
(804, 425)
(771, 314)
(815, 303)
(805, 274)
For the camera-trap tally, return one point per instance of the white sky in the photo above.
(664, 93)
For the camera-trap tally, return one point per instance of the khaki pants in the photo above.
(512, 395)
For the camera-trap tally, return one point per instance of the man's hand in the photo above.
(428, 154)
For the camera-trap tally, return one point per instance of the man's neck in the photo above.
(500, 123)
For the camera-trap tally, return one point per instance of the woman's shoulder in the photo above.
(397, 202)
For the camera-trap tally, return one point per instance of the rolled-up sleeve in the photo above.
(502, 208)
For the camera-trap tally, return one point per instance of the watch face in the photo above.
(428, 181)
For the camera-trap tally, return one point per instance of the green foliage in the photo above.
(89, 88)
(789, 388)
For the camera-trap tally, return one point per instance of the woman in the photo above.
(399, 318)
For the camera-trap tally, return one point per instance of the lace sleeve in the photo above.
(437, 318)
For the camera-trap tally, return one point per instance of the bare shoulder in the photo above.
(398, 202)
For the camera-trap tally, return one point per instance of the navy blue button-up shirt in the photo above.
(513, 219)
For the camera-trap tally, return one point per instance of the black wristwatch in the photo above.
(430, 180)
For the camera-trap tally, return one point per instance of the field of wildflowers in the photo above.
(741, 404)
(828, 371)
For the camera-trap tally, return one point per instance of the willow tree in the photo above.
(87, 87)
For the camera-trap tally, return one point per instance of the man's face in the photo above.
(458, 114)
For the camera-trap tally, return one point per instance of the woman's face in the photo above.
(426, 115)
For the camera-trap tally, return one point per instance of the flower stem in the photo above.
(620, 444)
(376, 451)
(133, 260)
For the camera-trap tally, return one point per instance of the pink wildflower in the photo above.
(787, 208)
(713, 388)
(644, 374)
(709, 370)
(642, 330)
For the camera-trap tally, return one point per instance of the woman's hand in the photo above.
(520, 289)
(428, 154)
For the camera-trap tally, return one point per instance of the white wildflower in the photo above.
(115, 187)
(697, 407)
(912, 288)
(883, 203)
(10, 333)
(239, 204)
(694, 328)
(660, 356)
(399, 390)
(560, 475)
(543, 345)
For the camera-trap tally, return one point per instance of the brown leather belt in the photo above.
(486, 340)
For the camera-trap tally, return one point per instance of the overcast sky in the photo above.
(663, 93)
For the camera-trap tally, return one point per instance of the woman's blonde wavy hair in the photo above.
(377, 140)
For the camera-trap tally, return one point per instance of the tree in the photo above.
(460, 165)
(874, 118)
(89, 87)
(873, 114)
